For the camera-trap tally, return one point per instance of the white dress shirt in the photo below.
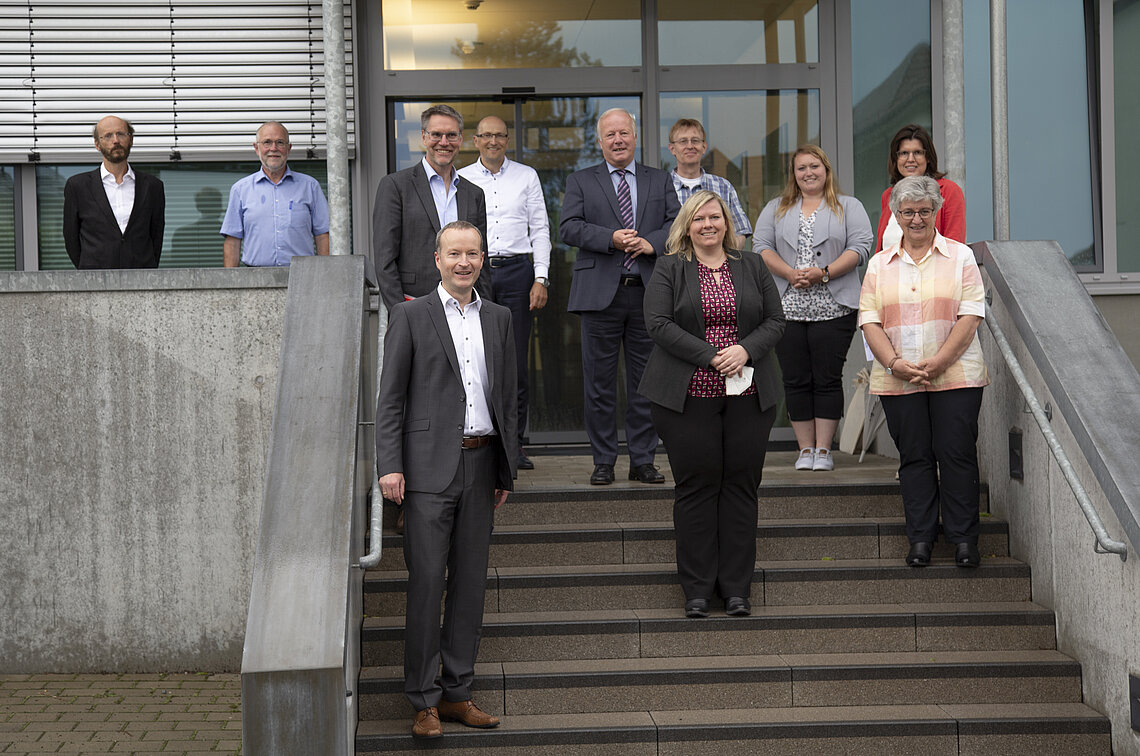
(517, 223)
(467, 336)
(121, 196)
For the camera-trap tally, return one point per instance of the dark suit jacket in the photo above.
(675, 320)
(404, 225)
(92, 236)
(420, 407)
(590, 216)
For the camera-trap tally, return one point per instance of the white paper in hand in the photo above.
(735, 385)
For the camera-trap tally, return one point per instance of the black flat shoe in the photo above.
(524, 462)
(697, 608)
(967, 555)
(646, 474)
(735, 606)
(919, 554)
(603, 475)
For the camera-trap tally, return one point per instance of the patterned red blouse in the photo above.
(718, 300)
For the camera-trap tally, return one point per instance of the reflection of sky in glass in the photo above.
(896, 26)
(702, 42)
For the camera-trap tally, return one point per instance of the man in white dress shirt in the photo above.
(518, 243)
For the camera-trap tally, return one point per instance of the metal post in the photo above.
(999, 106)
(954, 91)
(336, 129)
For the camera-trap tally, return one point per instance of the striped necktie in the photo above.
(625, 206)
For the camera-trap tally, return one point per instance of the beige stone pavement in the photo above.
(199, 713)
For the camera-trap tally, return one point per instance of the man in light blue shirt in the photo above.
(274, 214)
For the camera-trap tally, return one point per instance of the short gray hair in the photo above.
(440, 110)
(916, 189)
(611, 111)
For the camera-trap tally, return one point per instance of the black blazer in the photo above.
(421, 403)
(404, 225)
(91, 234)
(675, 320)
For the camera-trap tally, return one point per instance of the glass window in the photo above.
(196, 198)
(1126, 102)
(737, 32)
(750, 136)
(890, 87)
(7, 218)
(444, 34)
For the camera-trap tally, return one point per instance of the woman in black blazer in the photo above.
(714, 316)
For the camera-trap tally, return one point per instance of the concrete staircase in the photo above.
(586, 649)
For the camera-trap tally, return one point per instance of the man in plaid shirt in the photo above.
(687, 143)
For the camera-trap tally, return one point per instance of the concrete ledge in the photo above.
(164, 279)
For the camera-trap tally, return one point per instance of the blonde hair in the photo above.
(679, 242)
(792, 193)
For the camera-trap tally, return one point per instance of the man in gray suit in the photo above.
(412, 205)
(445, 448)
(618, 214)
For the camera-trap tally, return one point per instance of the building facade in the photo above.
(764, 77)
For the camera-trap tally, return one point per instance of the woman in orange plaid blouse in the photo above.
(920, 307)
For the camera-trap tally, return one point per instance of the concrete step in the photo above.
(600, 504)
(652, 542)
(788, 583)
(744, 682)
(663, 633)
(935, 730)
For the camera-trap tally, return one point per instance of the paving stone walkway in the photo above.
(189, 713)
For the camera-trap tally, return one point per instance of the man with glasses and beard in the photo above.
(112, 216)
(412, 205)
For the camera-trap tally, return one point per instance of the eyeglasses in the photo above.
(110, 136)
(695, 142)
(924, 213)
(269, 143)
(439, 136)
(907, 154)
(492, 136)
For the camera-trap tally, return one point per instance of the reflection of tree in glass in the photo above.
(532, 44)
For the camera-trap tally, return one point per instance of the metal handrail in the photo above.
(372, 558)
(1105, 543)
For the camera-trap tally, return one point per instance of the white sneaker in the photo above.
(806, 460)
(823, 460)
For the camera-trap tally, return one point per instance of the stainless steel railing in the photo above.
(1104, 543)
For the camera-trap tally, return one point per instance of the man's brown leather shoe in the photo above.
(426, 724)
(467, 713)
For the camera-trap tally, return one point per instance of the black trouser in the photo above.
(716, 449)
(514, 277)
(936, 433)
(811, 355)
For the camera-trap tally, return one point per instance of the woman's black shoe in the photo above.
(919, 554)
(697, 608)
(966, 555)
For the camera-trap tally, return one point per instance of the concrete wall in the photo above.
(1094, 595)
(1121, 310)
(135, 410)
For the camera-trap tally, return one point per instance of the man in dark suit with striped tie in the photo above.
(618, 214)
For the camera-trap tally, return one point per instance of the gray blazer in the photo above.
(404, 225)
(833, 236)
(675, 320)
(590, 216)
(420, 406)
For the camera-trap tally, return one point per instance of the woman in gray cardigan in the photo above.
(812, 239)
(714, 317)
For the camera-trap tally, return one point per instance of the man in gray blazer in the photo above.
(618, 214)
(446, 419)
(112, 216)
(412, 205)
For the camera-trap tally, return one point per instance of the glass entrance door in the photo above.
(555, 136)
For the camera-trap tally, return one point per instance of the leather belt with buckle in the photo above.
(477, 442)
(499, 261)
(630, 281)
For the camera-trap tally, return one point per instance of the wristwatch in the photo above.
(542, 280)
(826, 275)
